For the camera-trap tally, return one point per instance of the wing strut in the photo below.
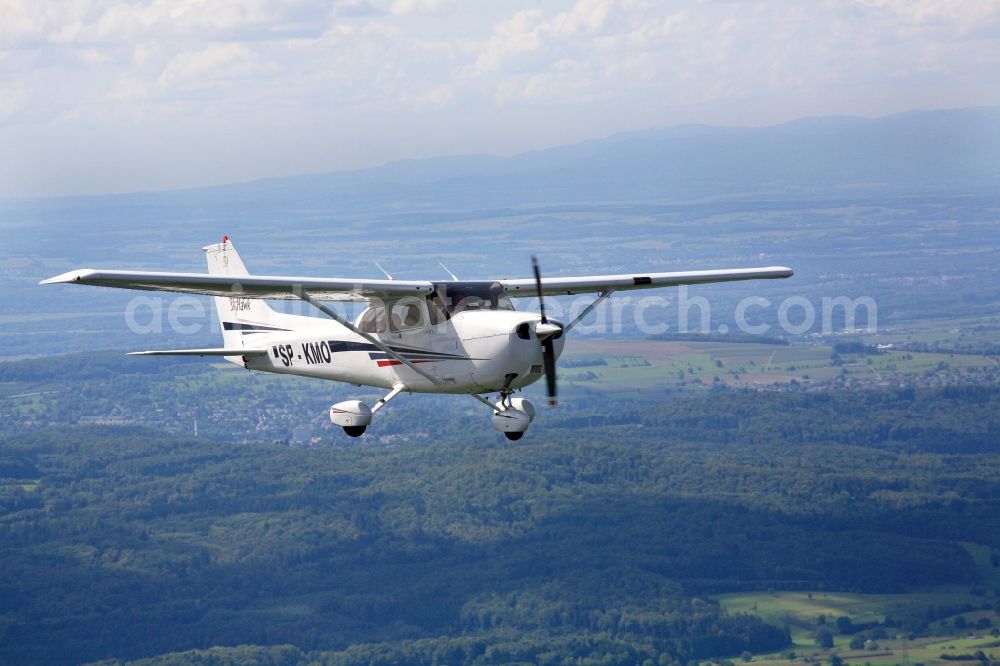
(587, 310)
(304, 295)
(484, 401)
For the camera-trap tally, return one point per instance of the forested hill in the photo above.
(603, 541)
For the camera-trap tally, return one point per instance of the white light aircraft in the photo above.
(459, 337)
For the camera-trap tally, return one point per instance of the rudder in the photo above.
(238, 316)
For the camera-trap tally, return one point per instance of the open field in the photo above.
(631, 365)
(892, 652)
(968, 333)
(800, 610)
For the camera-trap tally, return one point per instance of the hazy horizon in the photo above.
(501, 155)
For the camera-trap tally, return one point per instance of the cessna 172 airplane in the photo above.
(414, 335)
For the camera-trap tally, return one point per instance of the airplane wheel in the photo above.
(514, 436)
(355, 431)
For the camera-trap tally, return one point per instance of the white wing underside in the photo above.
(247, 286)
(554, 286)
(341, 289)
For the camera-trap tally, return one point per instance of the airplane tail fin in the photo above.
(240, 317)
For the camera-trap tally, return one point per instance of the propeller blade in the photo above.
(549, 361)
(538, 287)
(548, 348)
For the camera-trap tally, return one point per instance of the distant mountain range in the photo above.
(946, 151)
(920, 150)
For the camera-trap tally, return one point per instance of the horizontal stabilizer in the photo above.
(201, 352)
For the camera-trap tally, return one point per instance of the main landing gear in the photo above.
(355, 416)
(511, 416)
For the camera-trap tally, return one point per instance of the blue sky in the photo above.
(110, 96)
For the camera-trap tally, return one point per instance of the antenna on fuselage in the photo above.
(453, 276)
(384, 271)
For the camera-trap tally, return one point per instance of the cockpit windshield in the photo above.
(461, 296)
(447, 300)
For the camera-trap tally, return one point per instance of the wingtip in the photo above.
(71, 276)
(781, 271)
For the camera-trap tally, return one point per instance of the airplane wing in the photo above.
(342, 289)
(555, 286)
(247, 286)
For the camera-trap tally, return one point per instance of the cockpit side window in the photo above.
(372, 320)
(406, 316)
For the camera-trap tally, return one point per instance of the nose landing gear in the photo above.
(512, 416)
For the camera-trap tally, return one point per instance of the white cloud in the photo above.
(427, 7)
(11, 101)
(105, 22)
(510, 75)
(354, 8)
(22, 23)
(436, 97)
(93, 57)
(210, 66)
(949, 14)
(586, 17)
(519, 34)
(656, 30)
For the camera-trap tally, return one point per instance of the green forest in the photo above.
(602, 538)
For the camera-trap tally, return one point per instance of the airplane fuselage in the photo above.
(472, 352)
